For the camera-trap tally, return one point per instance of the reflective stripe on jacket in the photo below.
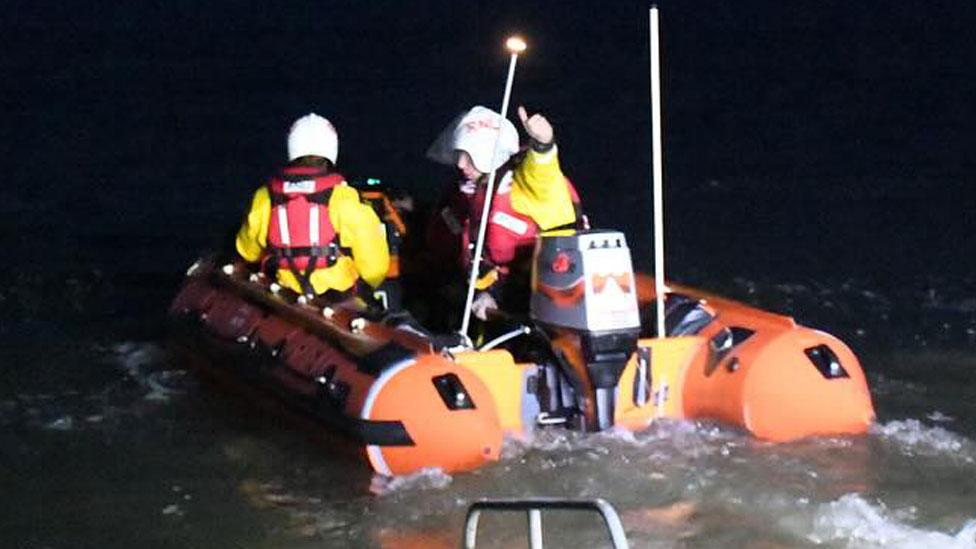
(533, 197)
(357, 227)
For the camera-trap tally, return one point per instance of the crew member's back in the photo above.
(306, 227)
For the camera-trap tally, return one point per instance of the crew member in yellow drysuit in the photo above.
(307, 227)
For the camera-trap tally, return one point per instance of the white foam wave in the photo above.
(915, 438)
(145, 376)
(792, 288)
(677, 433)
(882, 385)
(135, 356)
(938, 417)
(939, 301)
(430, 478)
(65, 411)
(145, 362)
(860, 523)
(63, 423)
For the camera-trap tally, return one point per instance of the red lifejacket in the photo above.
(510, 235)
(301, 237)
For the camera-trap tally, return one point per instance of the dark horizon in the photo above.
(809, 105)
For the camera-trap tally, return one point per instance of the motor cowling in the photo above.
(583, 290)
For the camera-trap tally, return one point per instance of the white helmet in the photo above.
(313, 135)
(475, 132)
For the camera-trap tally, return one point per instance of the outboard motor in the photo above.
(584, 294)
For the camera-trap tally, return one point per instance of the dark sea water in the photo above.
(818, 164)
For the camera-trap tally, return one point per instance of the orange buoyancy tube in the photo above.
(408, 407)
(414, 409)
(448, 412)
(778, 380)
(782, 385)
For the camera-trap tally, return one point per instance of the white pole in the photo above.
(516, 46)
(535, 529)
(658, 170)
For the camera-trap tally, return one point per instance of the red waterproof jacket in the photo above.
(510, 235)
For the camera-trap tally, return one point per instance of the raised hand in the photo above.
(536, 126)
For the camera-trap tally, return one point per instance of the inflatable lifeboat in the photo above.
(585, 357)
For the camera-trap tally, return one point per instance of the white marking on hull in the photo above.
(374, 452)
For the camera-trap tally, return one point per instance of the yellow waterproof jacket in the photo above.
(539, 190)
(357, 227)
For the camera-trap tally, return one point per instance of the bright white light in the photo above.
(515, 44)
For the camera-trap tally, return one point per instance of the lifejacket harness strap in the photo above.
(276, 255)
(315, 252)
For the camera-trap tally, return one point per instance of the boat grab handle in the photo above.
(534, 506)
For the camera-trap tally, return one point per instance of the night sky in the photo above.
(159, 118)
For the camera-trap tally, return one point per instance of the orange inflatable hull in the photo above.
(407, 407)
(782, 382)
(385, 390)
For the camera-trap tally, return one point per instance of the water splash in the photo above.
(146, 364)
(914, 438)
(136, 378)
(864, 524)
(425, 479)
(938, 417)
